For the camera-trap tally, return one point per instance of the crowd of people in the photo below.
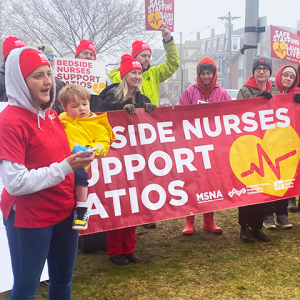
(44, 200)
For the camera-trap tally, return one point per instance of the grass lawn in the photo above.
(202, 266)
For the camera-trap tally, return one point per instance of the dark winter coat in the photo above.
(3, 97)
(250, 89)
(109, 102)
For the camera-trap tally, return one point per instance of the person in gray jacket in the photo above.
(251, 217)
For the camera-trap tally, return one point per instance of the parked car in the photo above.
(164, 102)
(232, 93)
(272, 79)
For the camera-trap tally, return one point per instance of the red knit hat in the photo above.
(11, 43)
(128, 63)
(30, 60)
(139, 46)
(85, 44)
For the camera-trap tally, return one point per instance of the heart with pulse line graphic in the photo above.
(99, 87)
(155, 20)
(279, 49)
(270, 162)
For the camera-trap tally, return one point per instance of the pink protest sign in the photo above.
(158, 13)
(285, 45)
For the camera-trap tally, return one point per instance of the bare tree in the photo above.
(112, 25)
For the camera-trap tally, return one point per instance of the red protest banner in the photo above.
(186, 160)
(158, 13)
(285, 45)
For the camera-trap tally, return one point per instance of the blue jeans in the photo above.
(29, 249)
(278, 207)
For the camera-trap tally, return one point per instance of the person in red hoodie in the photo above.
(298, 86)
(251, 217)
(287, 79)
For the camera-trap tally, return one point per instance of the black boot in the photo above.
(292, 205)
(150, 225)
(258, 234)
(120, 260)
(246, 235)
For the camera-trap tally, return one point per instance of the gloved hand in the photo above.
(129, 108)
(297, 98)
(149, 107)
(265, 94)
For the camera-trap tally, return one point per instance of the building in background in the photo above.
(217, 47)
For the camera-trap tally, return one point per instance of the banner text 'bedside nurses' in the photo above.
(186, 160)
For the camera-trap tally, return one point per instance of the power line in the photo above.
(228, 18)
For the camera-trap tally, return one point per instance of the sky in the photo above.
(196, 15)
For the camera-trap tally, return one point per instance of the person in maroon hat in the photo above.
(36, 169)
(9, 44)
(87, 50)
(125, 95)
(153, 75)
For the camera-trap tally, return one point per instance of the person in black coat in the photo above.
(110, 103)
(87, 50)
(9, 44)
(125, 95)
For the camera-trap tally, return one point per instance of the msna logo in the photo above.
(209, 196)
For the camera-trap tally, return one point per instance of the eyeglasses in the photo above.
(262, 69)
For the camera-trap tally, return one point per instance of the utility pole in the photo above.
(181, 69)
(251, 35)
(228, 18)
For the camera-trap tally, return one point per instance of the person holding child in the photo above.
(36, 168)
(87, 129)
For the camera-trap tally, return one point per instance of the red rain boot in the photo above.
(209, 224)
(189, 227)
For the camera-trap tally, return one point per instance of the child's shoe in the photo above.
(80, 221)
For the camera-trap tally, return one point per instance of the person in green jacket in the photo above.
(153, 75)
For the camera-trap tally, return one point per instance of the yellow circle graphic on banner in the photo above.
(267, 165)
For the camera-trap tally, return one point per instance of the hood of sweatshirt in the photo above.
(278, 81)
(251, 83)
(17, 91)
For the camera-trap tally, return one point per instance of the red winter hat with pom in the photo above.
(85, 44)
(30, 60)
(11, 43)
(128, 63)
